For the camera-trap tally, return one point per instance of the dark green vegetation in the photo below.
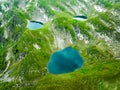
(24, 54)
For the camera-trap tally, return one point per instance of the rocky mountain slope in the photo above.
(24, 53)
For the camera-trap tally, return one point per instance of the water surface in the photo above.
(65, 61)
(33, 25)
(80, 17)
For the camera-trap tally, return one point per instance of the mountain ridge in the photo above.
(24, 54)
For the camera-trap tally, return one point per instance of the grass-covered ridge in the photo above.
(24, 54)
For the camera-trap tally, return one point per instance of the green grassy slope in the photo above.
(25, 53)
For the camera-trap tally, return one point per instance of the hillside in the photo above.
(25, 53)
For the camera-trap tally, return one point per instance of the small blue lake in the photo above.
(33, 25)
(82, 18)
(65, 61)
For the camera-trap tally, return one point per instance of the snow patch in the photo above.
(0, 13)
(8, 61)
(22, 5)
(54, 8)
(99, 9)
(36, 46)
(62, 39)
(40, 15)
(101, 36)
(105, 23)
(3, 0)
(86, 41)
(80, 36)
(118, 29)
(5, 34)
(6, 78)
(7, 56)
(4, 7)
(86, 1)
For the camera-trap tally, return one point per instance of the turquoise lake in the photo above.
(34, 25)
(65, 61)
